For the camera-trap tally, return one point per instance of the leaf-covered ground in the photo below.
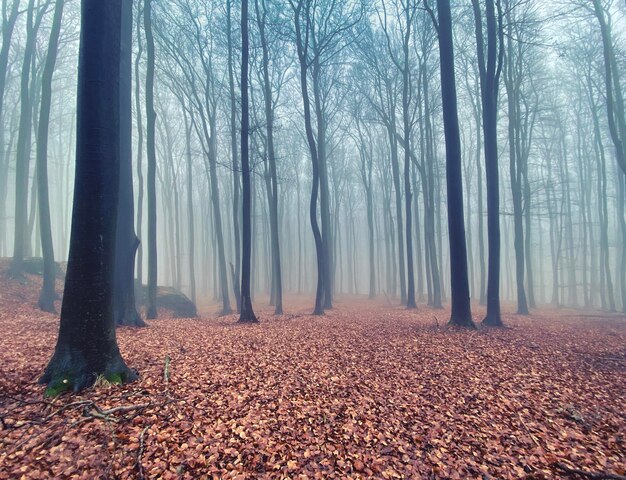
(367, 391)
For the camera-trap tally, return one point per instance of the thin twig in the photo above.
(97, 412)
(588, 474)
(142, 446)
(528, 430)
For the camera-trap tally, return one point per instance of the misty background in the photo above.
(374, 65)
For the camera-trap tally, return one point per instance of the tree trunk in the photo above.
(277, 281)
(461, 314)
(489, 77)
(322, 162)
(247, 313)
(512, 84)
(395, 170)
(151, 311)
(235, 160)
(86, 346)
(124, 309)
(48, 294)
(319, 248)
(21, 242)
(8, 26)
(139, 153)
(190, 232)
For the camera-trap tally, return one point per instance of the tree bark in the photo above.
(277, 281)
(21, 242)
(490, 63)
(86, 346)
(247, 313)
(124, 308)
(151, 310)
(303, 60)
(235, 160)
(48, 294)
(461, 314)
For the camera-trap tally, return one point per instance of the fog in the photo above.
(374, 86)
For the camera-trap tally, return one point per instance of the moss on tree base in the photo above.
(69, 371)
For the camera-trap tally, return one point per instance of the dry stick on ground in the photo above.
(97, 412)
(528, 430)
(587, 474)
(142, 446)
(88, 415)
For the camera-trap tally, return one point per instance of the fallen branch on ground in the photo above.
(142, 447)
(587, 474)
(97, 412)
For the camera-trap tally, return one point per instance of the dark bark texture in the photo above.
(125, 311)
(461, 314)
(86, 346)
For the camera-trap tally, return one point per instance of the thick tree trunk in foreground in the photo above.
(460, 295)
(86, 346)
(124, 310)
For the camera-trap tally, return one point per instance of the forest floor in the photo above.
(367, 391)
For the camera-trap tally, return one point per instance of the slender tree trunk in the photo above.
(48, 294)
(151, 311)
(512, 84)
(490, 62)
(302, 50)
(395, 169)
(406, 120)
(247, 313)
(277, 281)
(9, 19)
(21, 242)
(621, 200)
(461, 314)
(140, 182)
(235, 160)
(124, 309)
(190, 219)
(322, 162)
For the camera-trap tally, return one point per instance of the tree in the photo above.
(139, 120)
(383, 77)
(461, 314)
(125, 311)
(21, 242)
(233, 150)
(616, 113)
(247, 313)
(302, 26)
(404, 20)
(48, 294)
(521, 122)
(277, 282)
(9, 18)
(86, 346)
(151, 150)
(490, 67)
